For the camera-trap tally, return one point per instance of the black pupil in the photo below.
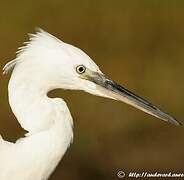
(81, 69)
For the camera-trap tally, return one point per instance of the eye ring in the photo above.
(81, 69)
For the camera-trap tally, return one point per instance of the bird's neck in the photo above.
(48, 122)
(34, 110)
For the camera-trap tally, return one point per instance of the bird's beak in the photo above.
(112, 90)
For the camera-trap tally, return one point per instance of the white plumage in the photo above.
(48, 121)
(43, 64)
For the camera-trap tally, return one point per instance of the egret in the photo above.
(45, 63)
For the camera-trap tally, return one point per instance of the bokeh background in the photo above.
(140, 44)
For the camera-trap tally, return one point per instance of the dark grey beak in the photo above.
(115, 91)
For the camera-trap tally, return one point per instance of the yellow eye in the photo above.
(80, 69)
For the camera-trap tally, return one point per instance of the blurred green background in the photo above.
(140, 44)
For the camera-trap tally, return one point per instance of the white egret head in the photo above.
(56, 64)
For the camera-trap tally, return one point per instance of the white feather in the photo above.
(43, 64)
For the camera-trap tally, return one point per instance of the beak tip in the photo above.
(176, 122)
(179, 123)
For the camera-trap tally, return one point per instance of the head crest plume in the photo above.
(39, 36)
